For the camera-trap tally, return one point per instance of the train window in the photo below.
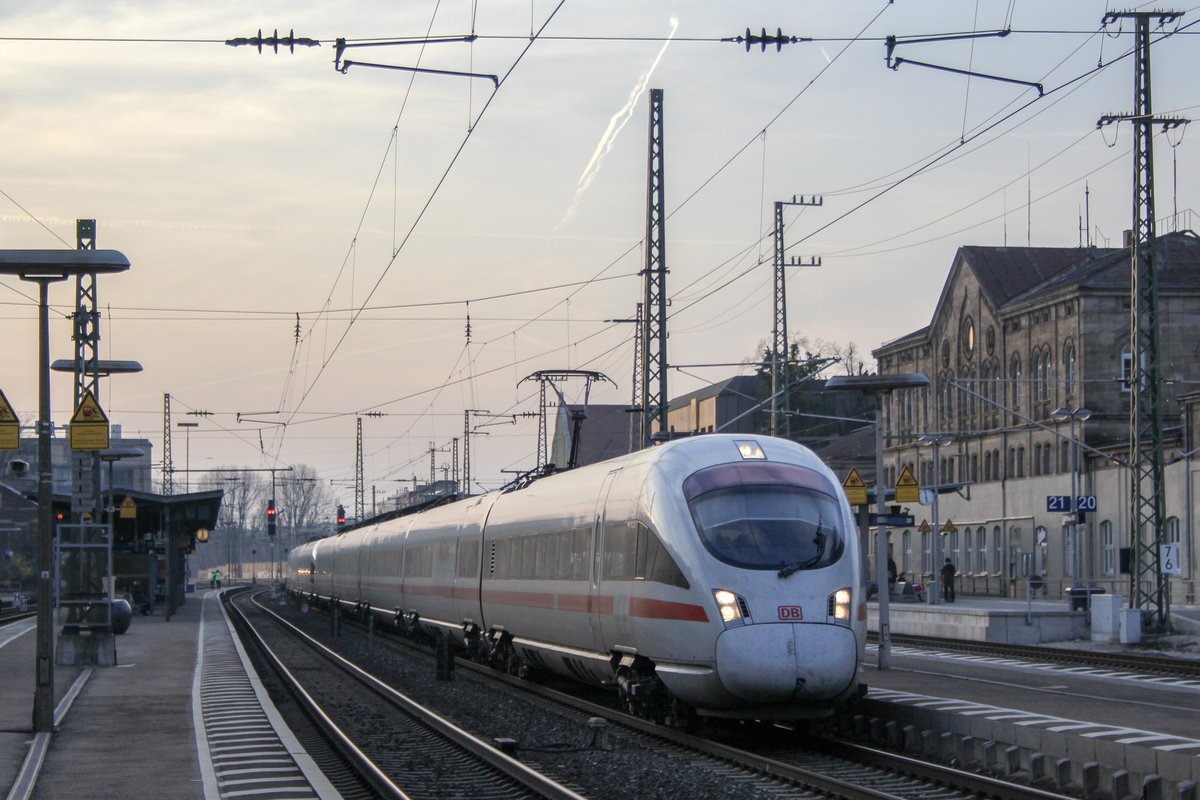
(620, 551)
(657, 566)
(580, 545)
(634, 552)
(769, 525)
(468, 558)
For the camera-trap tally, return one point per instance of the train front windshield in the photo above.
(766, 516)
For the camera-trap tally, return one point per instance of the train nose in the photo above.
(778, 662)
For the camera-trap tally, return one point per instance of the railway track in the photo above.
(778, 760)
(1152, 664)
(398, 747)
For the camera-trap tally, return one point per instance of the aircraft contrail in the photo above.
(615, 125)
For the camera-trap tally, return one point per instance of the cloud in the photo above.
(615, 125)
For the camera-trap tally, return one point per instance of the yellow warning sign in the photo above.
(89, 425)
(10, 426)
(855, 488)
(924, 527)
(907, 488)
(949, 527)
(128, 508)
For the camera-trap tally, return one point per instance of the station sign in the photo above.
(89, 425)
(1058, 502)
(10, 426)
(893, 520)
(855, 488)
(907, 488)
(1062, 502)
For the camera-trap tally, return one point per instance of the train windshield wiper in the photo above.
(819, 541)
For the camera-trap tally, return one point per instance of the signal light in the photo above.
(271, 517)
(341, 516)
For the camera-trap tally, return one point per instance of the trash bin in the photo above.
(1077, 596)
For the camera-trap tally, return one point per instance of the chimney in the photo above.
(1127, 239)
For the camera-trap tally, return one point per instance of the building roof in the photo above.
(745, 385)
(1010, 276)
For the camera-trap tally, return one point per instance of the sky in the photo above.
(309, 246)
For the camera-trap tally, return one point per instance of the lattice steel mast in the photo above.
(1148, 590)
(780, 352)
(360, 503)
(85, 493)
(637, 436)
(168, 469)
(654, 402)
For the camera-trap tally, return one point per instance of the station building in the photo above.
(1018, 334)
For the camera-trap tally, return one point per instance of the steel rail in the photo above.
(366, 768)
(940, 775)
(481, 750)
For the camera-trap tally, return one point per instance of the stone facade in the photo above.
(1018, 333)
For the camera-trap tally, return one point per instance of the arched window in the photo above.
(968, 338)
(926, 554)
(1109, 547)
(1068, 360)
(1014, 377)
(1044, 375)
(1021, 461)
(981, 554)
(1037, 373)
(1037, 458)
(968, 550)
(1040, 560)
(997, 550)
(906, 552)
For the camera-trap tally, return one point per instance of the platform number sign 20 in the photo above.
(1170, 560)
(1062, 502)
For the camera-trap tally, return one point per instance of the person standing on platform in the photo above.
(216, 579)
(948, 573)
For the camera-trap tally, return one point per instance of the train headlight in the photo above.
(839, 605)
(731, 607)
(750, 451)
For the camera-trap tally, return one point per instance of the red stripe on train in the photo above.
(666, 609)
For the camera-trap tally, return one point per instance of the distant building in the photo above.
(130, 472)
(1017, 333)
(727, 406)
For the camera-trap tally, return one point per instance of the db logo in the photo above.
(791, 613)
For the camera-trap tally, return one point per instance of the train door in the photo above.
(599, 605)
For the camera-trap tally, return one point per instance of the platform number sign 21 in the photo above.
(1170, 560)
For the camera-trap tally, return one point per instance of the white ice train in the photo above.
(717, 575)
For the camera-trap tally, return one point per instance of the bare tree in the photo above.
(245, 493)
(304, 499)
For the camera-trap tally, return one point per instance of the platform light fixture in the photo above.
(44, 267)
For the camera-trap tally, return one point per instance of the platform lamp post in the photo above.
(1072, 415)
(936, 441)
(45, 267)
(879, 386)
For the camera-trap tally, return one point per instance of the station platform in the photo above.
(179, 718)
(1003, 620)
(1095, 729)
